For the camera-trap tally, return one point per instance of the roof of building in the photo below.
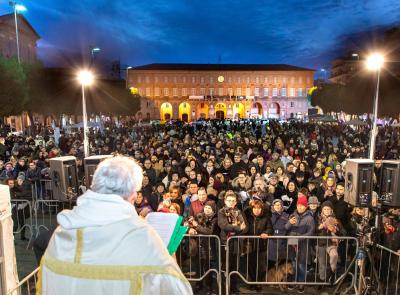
(219, 67)
(9, 16)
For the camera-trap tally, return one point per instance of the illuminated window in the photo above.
(175, 80)
(274, 92)
(193, 80)
(256, 91)
(202, 80)
(220, 91)
(184, 92)
(238, 91)
(211, 80)
(211, 91)
(291, 92)
(156, 79)
(147, 79)
(300, 92)
(156, 91)
(257, 80)
(283, 92)
(165, 79)
(266, 92)
(184, 80)
(193, 91)
(166, 92)
(248, 91)
(230, 91)
(266, 80)
(148, 91)
(202, 91)
(139, 79)
(175, 91)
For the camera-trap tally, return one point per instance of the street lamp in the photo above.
(374, 63)
(126, 75)
(324, 71)
(93, 51)
(18, 8)
(85, 78)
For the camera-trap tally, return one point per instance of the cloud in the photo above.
(306, 33)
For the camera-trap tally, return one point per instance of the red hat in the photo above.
(302, 200)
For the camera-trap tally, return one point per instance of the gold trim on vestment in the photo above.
(79, 245)
(108, 272)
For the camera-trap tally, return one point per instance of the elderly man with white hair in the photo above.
(103, 247)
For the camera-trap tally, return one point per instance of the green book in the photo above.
(169, 228)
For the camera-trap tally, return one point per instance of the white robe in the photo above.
(103, 247)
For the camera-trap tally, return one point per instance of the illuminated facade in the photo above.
(193, 91)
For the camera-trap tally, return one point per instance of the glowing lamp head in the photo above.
(221, 79)
(375, 62)
(20, 8)
(85, 77)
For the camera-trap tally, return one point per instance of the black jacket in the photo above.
(226, 218)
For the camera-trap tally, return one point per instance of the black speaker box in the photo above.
(389, 194)
(358, 182)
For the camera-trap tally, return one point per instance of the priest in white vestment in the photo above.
(103, 247)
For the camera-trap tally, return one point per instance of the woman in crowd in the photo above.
(258, 222)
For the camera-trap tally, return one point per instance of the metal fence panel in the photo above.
(27, 286)
(45, 213)
(289, 260)
(199, 257)
(388, 267)
(23, 217)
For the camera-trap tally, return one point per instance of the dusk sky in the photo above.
(304, 33)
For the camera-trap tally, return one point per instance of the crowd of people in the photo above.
(231, 178)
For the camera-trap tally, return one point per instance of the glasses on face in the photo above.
(230, 201)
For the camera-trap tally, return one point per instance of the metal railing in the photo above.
(388, 267)
(199, 257)
(27, 285)
(288, 260)
(45, 213)
(23, 219)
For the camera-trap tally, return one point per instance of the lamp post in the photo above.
(93, 51)
(126, 75)
(374, 63)
(324, 71)
(85, 78)
(18, 8)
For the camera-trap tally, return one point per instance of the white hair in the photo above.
(119, 175)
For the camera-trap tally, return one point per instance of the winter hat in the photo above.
(302, 200)
(327, 204)
(21, 176)
(313, 200)
(276, 201)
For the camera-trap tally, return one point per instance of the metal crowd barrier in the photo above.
(22, 217)
(199, 257)
(45, 213)
(27, 285)
(388, 270)
(42, 190)
(289, 260)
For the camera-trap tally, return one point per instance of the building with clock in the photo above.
(193, 91)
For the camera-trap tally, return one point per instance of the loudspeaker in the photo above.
(389, 193)
(90, 164)
(64, 176)
(358, 182)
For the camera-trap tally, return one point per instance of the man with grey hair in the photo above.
(103, 247)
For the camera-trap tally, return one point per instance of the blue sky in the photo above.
(305, 33)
